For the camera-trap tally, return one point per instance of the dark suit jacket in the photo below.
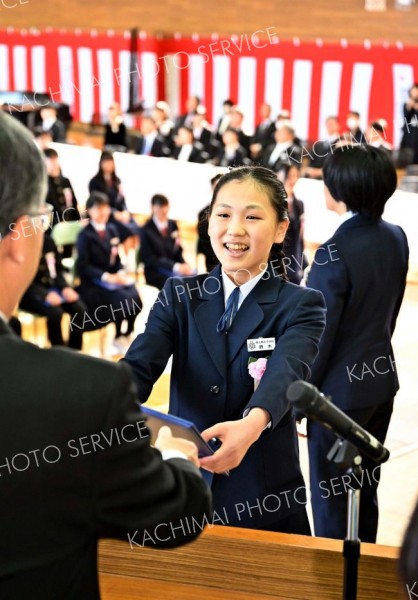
(94, 254)
(210, 382)
(292, 155)
(158, 253)
(264, 134)
(55, 196)
(363, 279)
(68, 493)
(197, 155)
(238, 160)
(158, 148)
(43, 282)
(98, 184)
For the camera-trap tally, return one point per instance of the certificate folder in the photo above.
(179, 427)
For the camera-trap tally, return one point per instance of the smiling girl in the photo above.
(212, 325)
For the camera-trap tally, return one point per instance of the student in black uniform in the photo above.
(361, 271)
(161, 251)
(50, 296)
(108, 291)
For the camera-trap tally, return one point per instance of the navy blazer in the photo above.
(159, 253)
(361, 271)
(210, 382)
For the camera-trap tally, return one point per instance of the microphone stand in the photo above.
(346, 456)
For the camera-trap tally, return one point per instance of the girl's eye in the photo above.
(253, 218)
(222, 215)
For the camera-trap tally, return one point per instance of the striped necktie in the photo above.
(231, 310)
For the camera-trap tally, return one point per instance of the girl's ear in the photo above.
(281, 231)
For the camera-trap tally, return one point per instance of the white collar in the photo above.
(3, 318)
(245, 288)
(160, 224)
(98, 226)
(347, 215)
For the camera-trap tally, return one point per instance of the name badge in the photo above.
(261, 344)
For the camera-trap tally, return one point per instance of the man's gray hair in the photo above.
(22, 173)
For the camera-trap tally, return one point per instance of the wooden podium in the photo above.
(244, 564)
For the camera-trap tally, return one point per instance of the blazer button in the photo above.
(215, 389)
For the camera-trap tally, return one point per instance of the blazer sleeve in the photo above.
(139, 497)
(331, 278)
(151, 253)
(149, 353)
(291, 360)
(85, 266)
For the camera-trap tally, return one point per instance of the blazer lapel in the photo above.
(251, 314)
(207, 314)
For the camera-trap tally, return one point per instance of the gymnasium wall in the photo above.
(306, 19)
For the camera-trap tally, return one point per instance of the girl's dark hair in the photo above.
(266, 181)
(106, 155)
(363, 177)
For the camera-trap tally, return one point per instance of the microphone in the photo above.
(307, 399)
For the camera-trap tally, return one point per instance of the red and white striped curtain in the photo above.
(313, 80)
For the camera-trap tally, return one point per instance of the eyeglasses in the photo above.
(44, 215)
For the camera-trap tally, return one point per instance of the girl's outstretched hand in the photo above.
(236, 437)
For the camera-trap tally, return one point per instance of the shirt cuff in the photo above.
(247, 410)
(167, 454)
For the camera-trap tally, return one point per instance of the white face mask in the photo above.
(352, 123)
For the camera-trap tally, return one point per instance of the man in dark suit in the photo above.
(264, 132)
(202, 131)
(231, 154)
(161, 251)
(150, 142)
(186, 119)
(236, 119)
(51, 123)
(285, 151)
(76, 461)
(361, 271)
(187, 149)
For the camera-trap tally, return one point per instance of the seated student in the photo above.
(214, 326)
(105, 287)
(264, 132)
(186, 149)
(50, 296)
(295, 258)
(202, 131)
(115, 129)
(107, 182)
(285, 150)
(150, 142)
(161, 252)
(52, 124)
(60, 191)
(231, 153)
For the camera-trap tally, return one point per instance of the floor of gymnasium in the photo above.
(398, 490)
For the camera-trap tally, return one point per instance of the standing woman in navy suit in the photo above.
(361, 271)
(213, 325)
